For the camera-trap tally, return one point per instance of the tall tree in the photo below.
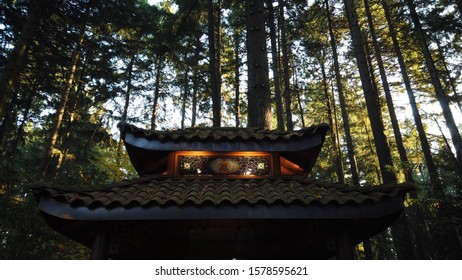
(332, 124)
(436, 82)
(214, 64)
(237, 91)
(75, 59)
(388, 97)
(275, 66)
(447, 72)
(285, 65)
(371, 96)
(425, 145)
(259, 103)
(159, 64)
(402, 241)
(344, 113)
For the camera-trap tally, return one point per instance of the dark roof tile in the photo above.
(161, 191)
(219, 133)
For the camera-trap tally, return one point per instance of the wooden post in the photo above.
(99, 249)
(344, 246)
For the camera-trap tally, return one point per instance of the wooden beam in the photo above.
(276, 164)
(344, 245)
(99, 248)
(288, 166)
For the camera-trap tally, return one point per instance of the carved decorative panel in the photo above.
(223, 165)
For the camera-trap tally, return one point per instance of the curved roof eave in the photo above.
(64, 211)
(292, 145)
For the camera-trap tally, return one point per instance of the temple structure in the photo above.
(221, 193)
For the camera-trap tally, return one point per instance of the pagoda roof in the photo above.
(157, 201)
(164, 192)
(145, 146)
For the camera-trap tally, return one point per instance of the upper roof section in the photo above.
(300, 147)
(224, 138)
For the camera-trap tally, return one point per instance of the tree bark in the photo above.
(259, 103)
(389, 99)
(431, 167)
(344, 113)
(439, 91)
(371, 96)
(159, 65)
(237, 79)
(300, 107)
(274, 66)
(124, 116)
(196, 80)
(185, 96)
(337, 155)
(401, 238)
(421, 237)
(448, 74)
(128, 91)
(404, 244)
(213, 67)
(285, 65)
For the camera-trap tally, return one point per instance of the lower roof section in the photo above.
(163, 197)
(288, 217)
(223, 212)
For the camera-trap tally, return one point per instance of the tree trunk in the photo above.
(344, 113)
(17, 58)
(300, 107)
(196, 79)
(66, 130)
(213, 67)
(237, 78)
(159, 65)
(259, 103)
(194, 98)
(421, 237)
(75, 58)
(285, 65)
(431, 167)
(218, 51)
(390, 105)
(129, 88)
(403, 247)
(129, 71)
(451, 82)
(371, 96)
(185, 96)
(439, 91)
(337, 155)
(274, 66)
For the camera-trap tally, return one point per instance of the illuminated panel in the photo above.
(224, 165)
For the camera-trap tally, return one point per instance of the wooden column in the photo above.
(344, 246)
(99, 248)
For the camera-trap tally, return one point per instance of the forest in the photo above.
(386, 75)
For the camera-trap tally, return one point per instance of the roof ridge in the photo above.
(124, 127)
